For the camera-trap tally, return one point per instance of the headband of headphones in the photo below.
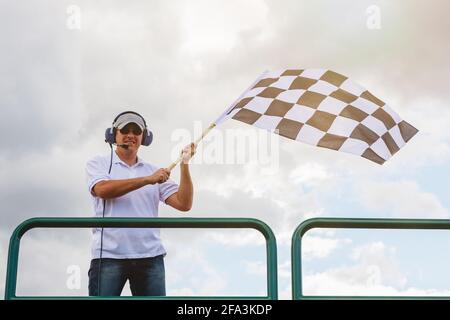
(110, 136)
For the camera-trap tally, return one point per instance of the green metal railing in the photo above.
(340, 223)
(13, 254)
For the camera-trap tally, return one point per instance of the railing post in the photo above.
(12, 265)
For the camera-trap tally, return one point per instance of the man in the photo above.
(123, 185)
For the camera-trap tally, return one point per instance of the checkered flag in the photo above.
(325, 109)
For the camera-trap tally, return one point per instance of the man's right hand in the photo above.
(160, 176)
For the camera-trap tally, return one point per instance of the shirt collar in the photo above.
(116, 159)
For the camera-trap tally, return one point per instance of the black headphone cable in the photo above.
(99, 282)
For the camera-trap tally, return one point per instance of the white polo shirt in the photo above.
(127, 243)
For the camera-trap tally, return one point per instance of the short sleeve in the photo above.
(96, 171)
(167, 189)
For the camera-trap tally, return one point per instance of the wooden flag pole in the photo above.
(204, 133)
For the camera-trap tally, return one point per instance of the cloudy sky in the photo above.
(68, 67)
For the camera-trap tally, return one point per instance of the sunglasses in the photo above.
(135, 129)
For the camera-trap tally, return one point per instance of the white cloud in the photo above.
(45, 256)
(284, 280)
(320, 247)
(220, 25)
(284, 270)
(380, 263)
(328, 284)
(375, 272)
(236, 238)
(310, 174)
(191, 269)
(255, 267)
(402, 199)
(430, 146)
(182, 292)
(285, 293)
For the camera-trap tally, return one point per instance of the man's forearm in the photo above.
(110, 189)
(186, 189)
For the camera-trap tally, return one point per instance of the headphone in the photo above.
(110, 136)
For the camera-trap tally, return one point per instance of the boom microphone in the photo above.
(125, 146)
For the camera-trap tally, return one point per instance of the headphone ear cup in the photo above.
(147, 137)
(110, 137)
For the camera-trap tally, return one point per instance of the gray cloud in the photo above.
(39, 87)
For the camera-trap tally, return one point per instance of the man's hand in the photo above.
(188, 152)
(160, 176)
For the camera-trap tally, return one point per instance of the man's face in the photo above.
(130, 135)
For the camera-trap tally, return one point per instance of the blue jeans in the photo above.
(146, 276)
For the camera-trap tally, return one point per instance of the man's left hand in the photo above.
(188, 152)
